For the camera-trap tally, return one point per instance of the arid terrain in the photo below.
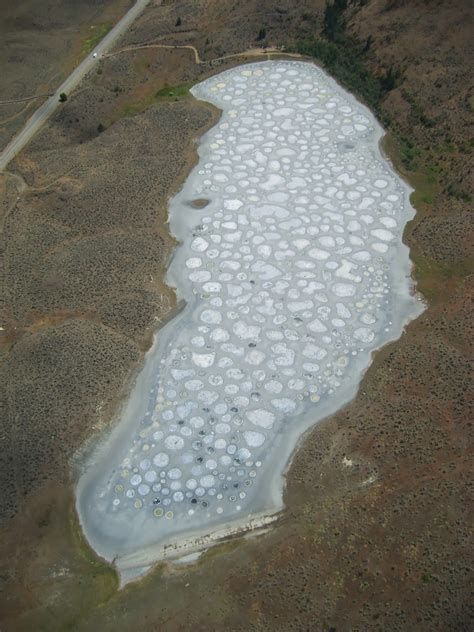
(41, 42)
(377, 533)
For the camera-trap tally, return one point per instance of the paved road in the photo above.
(49, 106)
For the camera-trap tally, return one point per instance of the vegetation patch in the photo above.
(346, 67)
(86, 552)
(175, 93)
(434, 277)
(343, 57)
(167, 94)
(97, 33)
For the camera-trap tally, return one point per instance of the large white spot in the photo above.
(254, 439)
(203, 360)
(174, 442)
(261, 417)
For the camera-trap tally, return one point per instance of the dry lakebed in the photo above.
(293, 271)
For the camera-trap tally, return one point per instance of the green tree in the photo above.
(389, 80)
(63, 97)
(368, 43)
(333, 24)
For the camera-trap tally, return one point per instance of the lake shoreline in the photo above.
(307, 421)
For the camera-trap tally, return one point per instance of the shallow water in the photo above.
(293, 273)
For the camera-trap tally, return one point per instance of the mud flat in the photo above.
(293, 274)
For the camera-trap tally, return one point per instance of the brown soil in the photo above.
(200, 203)
(376, 532)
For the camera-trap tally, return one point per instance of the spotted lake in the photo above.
(293, 271)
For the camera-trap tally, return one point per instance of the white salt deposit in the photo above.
(293, 274)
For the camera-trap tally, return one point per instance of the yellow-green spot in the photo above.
(97, 33)
(174, 93)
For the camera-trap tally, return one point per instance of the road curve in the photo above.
(41, 115)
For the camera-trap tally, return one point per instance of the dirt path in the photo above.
(251, 52)
(31, 98)
(197, 59)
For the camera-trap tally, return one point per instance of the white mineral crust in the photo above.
(293, 274)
